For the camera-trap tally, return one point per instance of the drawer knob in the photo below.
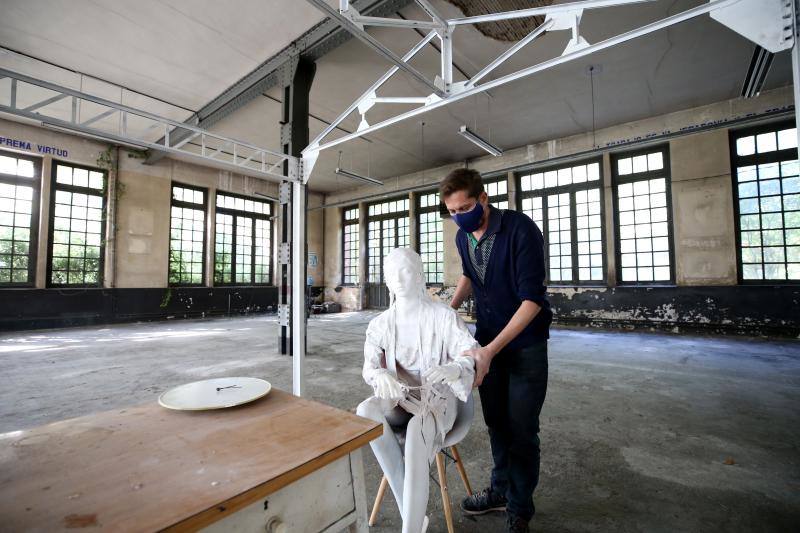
(276, 526)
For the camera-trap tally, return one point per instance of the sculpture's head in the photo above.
(403, 272)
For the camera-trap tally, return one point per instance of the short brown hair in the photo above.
(462, 179)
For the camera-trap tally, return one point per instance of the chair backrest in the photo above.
(464, 413)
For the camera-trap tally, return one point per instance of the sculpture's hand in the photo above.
(483, 359)
(448, 373)
(387, 387)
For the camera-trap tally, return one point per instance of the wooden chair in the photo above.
(456, 435)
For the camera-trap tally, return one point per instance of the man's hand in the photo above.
(483, 359)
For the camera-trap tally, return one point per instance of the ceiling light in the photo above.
(757, 72)
(353, 175)
(465, 132)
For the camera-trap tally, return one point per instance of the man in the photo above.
(502, 258)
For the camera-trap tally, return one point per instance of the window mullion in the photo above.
(573, 225)
(546, 236)
(252, 251)
(235, 224)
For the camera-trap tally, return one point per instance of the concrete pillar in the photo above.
(211, 235)
(512, 190)
(452, 261)
(363, 256)
(608, 206)
(413, 221)
(704, 231)
(44, 223)
(110, 249)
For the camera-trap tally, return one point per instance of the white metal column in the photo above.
(297, 284)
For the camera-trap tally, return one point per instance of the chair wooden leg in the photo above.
(373, 517)
(461, 471)
(448, 512)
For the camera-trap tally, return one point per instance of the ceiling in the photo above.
(183, 54)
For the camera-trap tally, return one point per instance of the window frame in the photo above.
(345, 223)
(396, 215)
(616, 180)
(54, 187)
(189, 205)
(755, 159)
(571, 189)
(33, 242)
(235, 213)
(496, 178)
(437, 209)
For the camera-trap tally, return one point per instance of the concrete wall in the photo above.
(702, 200)
(138, 213)
(704, 239)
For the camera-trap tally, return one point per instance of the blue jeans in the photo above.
(512, 394)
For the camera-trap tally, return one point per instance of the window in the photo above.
(243, 252)
(19, 195)
(387, 229)
(431, 237)
(78, 226)
(350, 243)
(767, 198)
(643, 206)
(566, 202)
(187, 244)
(497, 191)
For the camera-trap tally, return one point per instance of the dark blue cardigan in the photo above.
(515, 273)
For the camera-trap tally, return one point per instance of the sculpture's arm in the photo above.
(373, 354)
(457, 341)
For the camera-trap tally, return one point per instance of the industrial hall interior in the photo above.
(418, 266)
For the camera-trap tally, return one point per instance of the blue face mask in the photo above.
(471, 220)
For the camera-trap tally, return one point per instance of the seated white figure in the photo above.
(413, 361)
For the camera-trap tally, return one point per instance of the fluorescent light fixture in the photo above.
(465, 132)
(353, 175)
(757, 73)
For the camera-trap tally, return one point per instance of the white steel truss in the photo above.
(63, 108)
(769, 23)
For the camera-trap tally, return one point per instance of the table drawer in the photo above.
(311, 504)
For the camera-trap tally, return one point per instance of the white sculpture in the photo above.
(413, 361)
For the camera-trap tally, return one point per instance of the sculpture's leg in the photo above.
(419, 440)
(386, 448)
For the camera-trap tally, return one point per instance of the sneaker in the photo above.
(515, 524)
(483, 502)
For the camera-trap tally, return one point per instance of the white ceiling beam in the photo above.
(376, 45)
(432, 12)
(508, 53)
(120, 133)
(372, 88)
(396, 23)
(545, 10)
(312, 151)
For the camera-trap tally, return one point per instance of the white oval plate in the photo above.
(217, 393)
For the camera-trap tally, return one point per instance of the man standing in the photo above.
(502, 258)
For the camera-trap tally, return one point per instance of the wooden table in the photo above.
(282, 463)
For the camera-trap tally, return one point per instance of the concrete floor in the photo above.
(636, 429)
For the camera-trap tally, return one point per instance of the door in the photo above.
(384, 235)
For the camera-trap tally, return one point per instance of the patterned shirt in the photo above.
(480, 250)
